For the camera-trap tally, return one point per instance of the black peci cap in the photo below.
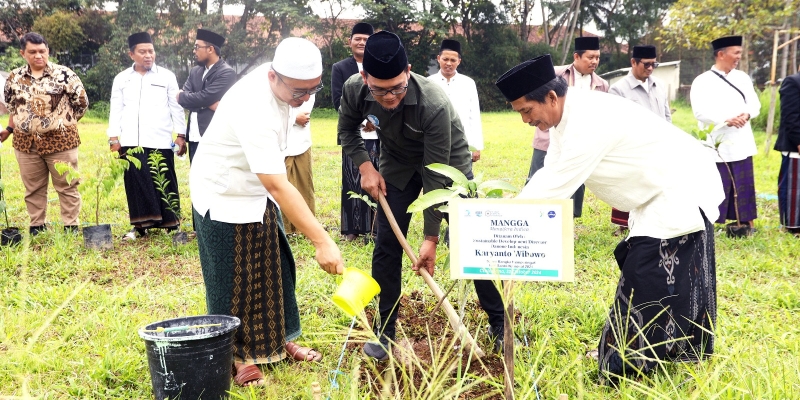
(726, 41)
(362, 28)
(384, 56)
(210, 37)
(452, 45)
(587, 43)
(139, 38)
(526, 77)
(646, 51)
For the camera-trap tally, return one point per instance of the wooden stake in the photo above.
(455, 321)
(508, 340)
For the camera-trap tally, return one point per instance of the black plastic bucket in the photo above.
(194, 363)
(98, 237)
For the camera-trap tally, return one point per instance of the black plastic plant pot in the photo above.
(180, 238)
(191, 357)
(735, 230)
(11, 237)
(98, 237)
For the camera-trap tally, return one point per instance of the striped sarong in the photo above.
(789, 192)
(619, 217)
(745, 188)
(146, 207)
(249, 272)
(356, 215)
(665, 306)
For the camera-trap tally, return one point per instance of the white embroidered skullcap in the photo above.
(297, 58)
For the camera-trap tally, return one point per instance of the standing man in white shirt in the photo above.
(238, 183)
(665, 306)
(145, 112)
(724, 97)
(298, 159)
(641, 87)
(580, 74)
(462, 92)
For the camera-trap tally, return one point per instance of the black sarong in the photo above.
(665, 307)
(146, 206)
(356, 215)
(249, 272)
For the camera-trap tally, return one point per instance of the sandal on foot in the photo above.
(299, 353)
(250, 375)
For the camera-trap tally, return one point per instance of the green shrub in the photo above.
(759, 123)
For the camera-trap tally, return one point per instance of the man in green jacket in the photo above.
(417, 126)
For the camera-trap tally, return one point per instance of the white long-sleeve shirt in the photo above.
(714, 102)
(634, 161)
(463, 94)
(299, 138)
(144, 108)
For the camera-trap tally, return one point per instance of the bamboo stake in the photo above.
(455, 322)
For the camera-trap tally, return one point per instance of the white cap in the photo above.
(297, 58)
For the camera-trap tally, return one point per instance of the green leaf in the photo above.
(431, 198)
(495, 194)
(489, 186)
(458, 178)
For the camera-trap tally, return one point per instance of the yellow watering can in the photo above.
(355, 292)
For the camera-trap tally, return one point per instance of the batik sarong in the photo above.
(249, 272)
(356, 215)
(665, 306)
(745, 189)
(789, 192)
(146, 205)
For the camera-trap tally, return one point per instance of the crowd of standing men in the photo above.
(249, 145)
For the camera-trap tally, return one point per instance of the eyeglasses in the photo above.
(200, 47)
(384, 92)
(650, 65)
(296, 94)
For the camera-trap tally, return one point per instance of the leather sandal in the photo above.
(299, 353)
(250, 375)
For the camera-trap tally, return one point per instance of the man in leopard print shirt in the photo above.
(45, 102)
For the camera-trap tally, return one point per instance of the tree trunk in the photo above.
(571, 31)
(544, 24)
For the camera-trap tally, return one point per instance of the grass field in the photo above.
(69, 316)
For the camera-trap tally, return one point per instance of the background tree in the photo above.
(63, 33)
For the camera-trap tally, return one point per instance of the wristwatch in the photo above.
(434, 239)
(113, 142)
(10, 129)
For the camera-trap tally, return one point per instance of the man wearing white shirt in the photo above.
(641, 87)
(298, 158)
(724, 97)
(462, 92)
(145, 112)
(665, 303)
(239, 190)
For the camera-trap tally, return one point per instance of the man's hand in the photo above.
(476, 155)
(180, 141)
(738, 121)
(329, 257)
(427, 257)
(371, 180)
(178, 96)
(213, 107)
(369, 127)
(116, 147)
(302, 118)
(4, 134)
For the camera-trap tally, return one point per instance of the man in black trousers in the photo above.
(207, 83)
(417, 126)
